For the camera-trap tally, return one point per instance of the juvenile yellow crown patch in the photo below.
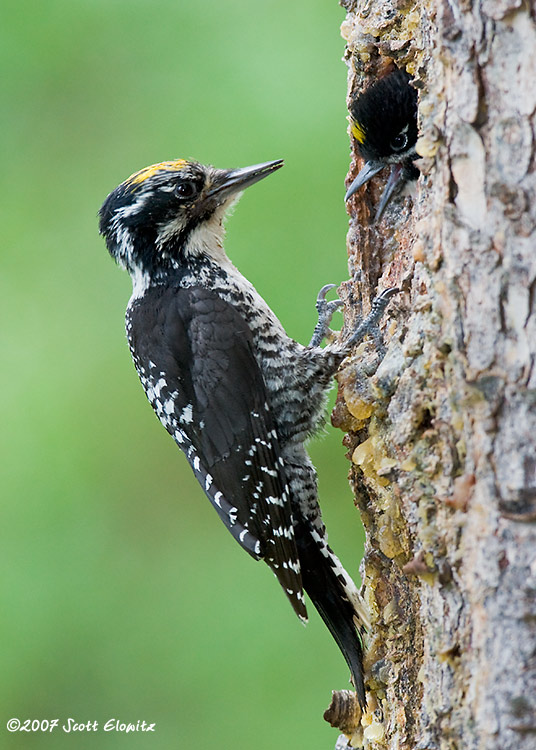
(358, 132)
(170, 166)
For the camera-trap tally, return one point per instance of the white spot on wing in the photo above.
(186, 416)
(271, 500)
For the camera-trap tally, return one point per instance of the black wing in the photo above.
(194, 354)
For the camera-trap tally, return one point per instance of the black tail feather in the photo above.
(327, 594)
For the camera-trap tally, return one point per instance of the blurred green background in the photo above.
(122, 594)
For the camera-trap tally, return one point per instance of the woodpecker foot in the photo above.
(371, 324)
(325, 312)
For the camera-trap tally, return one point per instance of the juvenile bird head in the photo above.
(384, 124)
(171, 211)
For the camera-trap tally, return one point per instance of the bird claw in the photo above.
(321, 296)
(325, 308)
(371, 324)
(325, 312)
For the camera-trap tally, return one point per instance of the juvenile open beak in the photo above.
(371, 168)
(392, 183)
(236, 180)
(396, 179)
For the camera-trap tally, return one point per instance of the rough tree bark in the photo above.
(442, 437)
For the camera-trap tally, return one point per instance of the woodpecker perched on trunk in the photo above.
(238, 395)
(384, 124)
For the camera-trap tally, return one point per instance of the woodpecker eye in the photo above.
(400, 141)
(186, 190)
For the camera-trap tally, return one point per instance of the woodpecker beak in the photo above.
(236, 180)
(396, 177)
(371, 168)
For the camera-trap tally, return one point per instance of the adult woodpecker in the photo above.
(238, 395)
(384, 124)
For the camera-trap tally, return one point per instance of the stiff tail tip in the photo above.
(327, 585)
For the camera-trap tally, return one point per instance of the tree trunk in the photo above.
(442, 437)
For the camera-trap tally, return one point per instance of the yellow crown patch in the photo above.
(169, 166)
(358, 132)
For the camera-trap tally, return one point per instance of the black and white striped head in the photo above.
(170, 211)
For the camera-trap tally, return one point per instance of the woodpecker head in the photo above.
(384, 124)
(170, 211)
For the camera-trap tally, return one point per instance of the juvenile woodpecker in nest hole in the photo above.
(237, 395)
(384, 124)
